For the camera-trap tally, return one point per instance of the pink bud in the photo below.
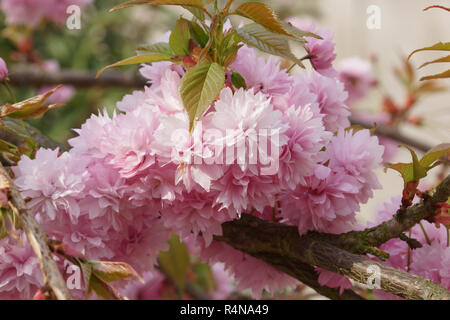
(442, 215)
(3, 70)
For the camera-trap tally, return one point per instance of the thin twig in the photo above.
(26, 76)
(393, 134)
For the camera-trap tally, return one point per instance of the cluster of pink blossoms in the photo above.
(133, 178)
(32, 12)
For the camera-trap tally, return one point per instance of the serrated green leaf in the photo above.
(434, 154)
(261, 14)
(145, 58)
(199, 35)
(188, 3)
(175, 262)
(440, 46)
(159, 48)
(443, 75)
(257, 36)
(179, 38)
(298, 33)
(196, 12)
(440, 60)
(238, 81)
(199, 88)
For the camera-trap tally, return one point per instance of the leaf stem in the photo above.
(425, 233)
(290, 68)
(409, 253)
(8, 88)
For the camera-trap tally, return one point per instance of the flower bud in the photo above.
(3, 70)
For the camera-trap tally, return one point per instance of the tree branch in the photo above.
(356, 241)
(15, 131)
(393, 134)
(307, 275)
(37, 238)
(281, 246)
(34, 77)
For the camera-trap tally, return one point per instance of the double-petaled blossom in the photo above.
(20, 275)
(320, 51)
(329, 199)
(357, 76)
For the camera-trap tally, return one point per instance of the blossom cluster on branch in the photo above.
(273, 144)
(129, 181)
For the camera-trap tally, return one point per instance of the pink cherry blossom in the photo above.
(357, 76)
(20, 274)
(321, 50)
(331, 98)
(3, 70)
(261, 74)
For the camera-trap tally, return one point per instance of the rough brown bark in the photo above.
(281, 246)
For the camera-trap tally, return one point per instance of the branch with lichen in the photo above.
(281, 246)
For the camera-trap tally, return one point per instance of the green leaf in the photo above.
(30, 108)
(261, 14)
(114, 271)
(419, 171)
(3, 227)
(440, 46)
(196, 12)
(199, 88)
(238, 81)
(179, 38)
(205, 278)
(104, 290)
(188, 3)
(434, 154)
(175, 262)
(146, 58)
(158, 48)
(410, 171)
(199, 35)
(440, 60)
(298, 33)
(443, 75)
(257, 36)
